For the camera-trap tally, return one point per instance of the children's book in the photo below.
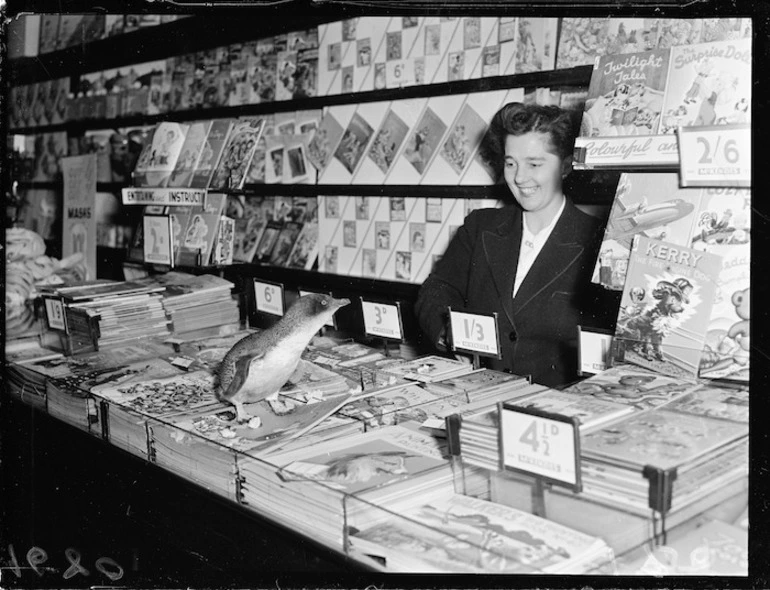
(201, 231)
(211, 152)
(626, 93)
(237, 154)
(194, 142)
(158, 159)
(536, 45)
(354, 141)
(388, 141)
(425, 139)
(284, 243)
(708, 84)
(305, 251)
(464, 137)
(666, 305)
(591, 412)
(651, 205)
(717, 401)
(581, 41)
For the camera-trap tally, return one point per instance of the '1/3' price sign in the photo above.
(717, 155)
(474, 332)
(268, 297)
(54, 312)
(382, 319)
(541, 444)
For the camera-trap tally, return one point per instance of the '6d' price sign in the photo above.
(541, 444)
(382, 319)
(268, 297)
(474, 332)
(717, 155)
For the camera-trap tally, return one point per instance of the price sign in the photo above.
(718, 155)
(541, 444)
(593, 350)
(382, 319)
(475, 333)
(331, 323)
(54, 312)
(268, 297)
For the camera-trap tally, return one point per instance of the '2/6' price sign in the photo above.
(268, 297)
(474, 332)
(541, 444)
(717, 155)
(383, 320)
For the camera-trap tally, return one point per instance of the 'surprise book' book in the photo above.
(666, 305)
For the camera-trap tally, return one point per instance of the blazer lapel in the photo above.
(501, 248)
(559, 253)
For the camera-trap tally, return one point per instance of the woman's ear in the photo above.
(566, 166)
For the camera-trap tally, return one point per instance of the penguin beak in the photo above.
(340, 302)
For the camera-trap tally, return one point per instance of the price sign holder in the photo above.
(594, 350)
(543, 445)
(475, 333)
(715, 155)
(330, 324)
(383, 320)
(54, 313)
(268, 297)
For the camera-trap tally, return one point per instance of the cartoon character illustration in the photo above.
(734, 346)
(649, 328)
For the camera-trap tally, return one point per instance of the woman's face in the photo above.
(533, 172)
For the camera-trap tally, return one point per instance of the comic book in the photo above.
(665, 306)
(324, 143)
(708, 84)
(626, 94)
(536, 45)
(201, 231)
(716, 401)
(425, 139)
(191, 150)
(388, 141)
(159, 156)
(581, 41)
(237, 154)
(353, 143)
(284, 243)
(211, 152)
(646, 204)
(464, 137)
(305, 251)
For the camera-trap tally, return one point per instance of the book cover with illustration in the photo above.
(159, 156)
(708, 84)
(305, 251)
(353, 143)
(464, 137)
(189, 154)
(582, 40)
(715, 400)
(591, 412)
(322, 146)
(661, 438)
(535, 45)
(453, 533)
(237, 154)
(626, 93)
(211, 152)
(666, 305)
(201, 231)
(364, 461)
(645, 204)
(425, 139)
(388, 141)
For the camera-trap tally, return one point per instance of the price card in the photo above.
(717, 155)
(54, 312)
(594, 348)
(268, 297)
(542, 444)
(331, 323)
(382, 319)
(475, 333)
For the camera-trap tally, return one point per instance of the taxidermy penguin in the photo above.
(258, 365)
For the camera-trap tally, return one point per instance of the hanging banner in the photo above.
(79, 209)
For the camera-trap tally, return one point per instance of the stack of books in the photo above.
(311, 486)
(453, 533)
(478, 384)
(107, 314)
(194, 303)
(429, 368)
(699, 454)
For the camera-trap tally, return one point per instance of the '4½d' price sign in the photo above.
(717, 155)
(268, 297)
(382, 319)
(541, 444)
(474, 332)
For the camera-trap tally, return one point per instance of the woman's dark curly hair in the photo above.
(517, 118)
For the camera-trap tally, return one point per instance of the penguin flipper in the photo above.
(242, 367)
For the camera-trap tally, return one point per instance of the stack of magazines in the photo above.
(429, 368)
(311, 485)
(453, 533)
(700, 454)
(195, 303)
(111, 313)
(476, 385)
(25, 376)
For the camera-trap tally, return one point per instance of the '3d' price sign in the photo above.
(268, 297)
(541, 444)
(717, 155)
(383, 320)
(474, 332)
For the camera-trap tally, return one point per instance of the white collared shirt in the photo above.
(531, 245)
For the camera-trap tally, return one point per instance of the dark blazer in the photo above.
(538, 328)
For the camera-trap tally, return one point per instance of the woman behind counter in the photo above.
(530, 262)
